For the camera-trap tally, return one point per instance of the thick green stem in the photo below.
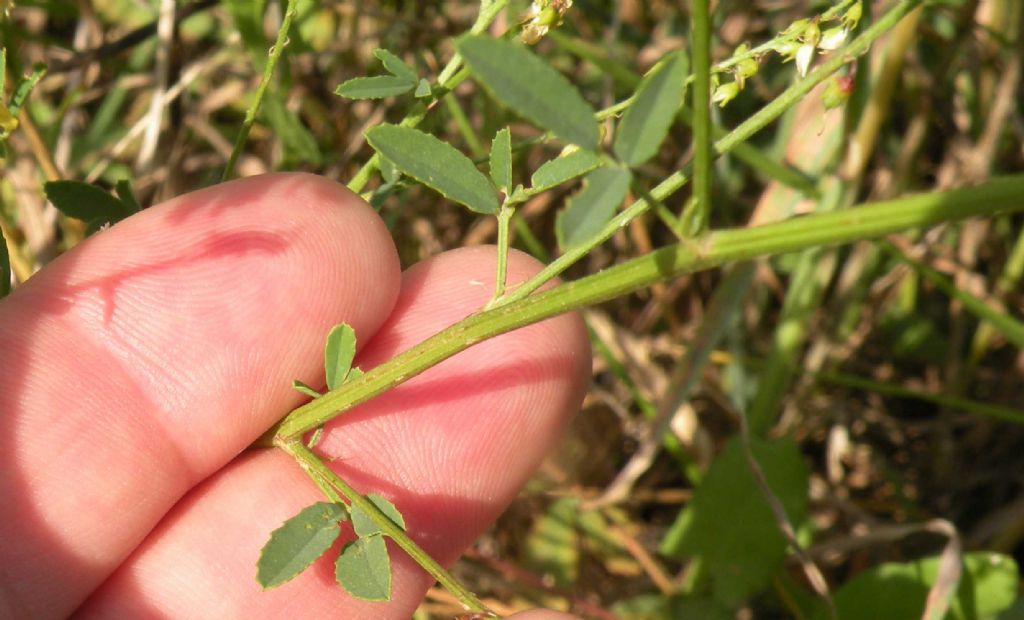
(700, 37)
(712, 249)
(261, 90)
(742, 133)
(323, 475)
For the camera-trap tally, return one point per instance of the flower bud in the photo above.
(796, 29)
(804, 55)
(786, 49)
(833, 38)
(812, 34)
(837, 91)
(852, 16)
(725, 93)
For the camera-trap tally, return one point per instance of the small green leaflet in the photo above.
(298, 542)
(501, 160)
(561, 169)
(423, 89)
(339, 352)
(436, 164)
(402, 79)
(527, 84)
(87, 203)
(396, 66)
(647, 121)
(5, 267)
(586, 213)
(305, 388)
(364, 569)
(376, 87)
(364, 525)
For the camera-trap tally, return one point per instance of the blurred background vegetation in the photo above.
(904, 409)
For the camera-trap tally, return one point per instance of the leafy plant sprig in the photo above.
(535, 91)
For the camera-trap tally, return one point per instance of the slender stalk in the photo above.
(268, 74)
(700, 37)
(713, 249)
(323, 475)
(464, 126)
(504, 217)
(742, 133)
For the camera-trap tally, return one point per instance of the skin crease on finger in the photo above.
(146, 358)
(450, 447)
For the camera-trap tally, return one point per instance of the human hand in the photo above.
(138, 367)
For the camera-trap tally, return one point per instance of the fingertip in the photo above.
(148, 356)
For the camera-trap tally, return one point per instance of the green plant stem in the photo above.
(268, 74)
(464, 126)
(504, 217)
(322, 474)
(700, 37)
(742, 133)
(447, 80)
(712, 249)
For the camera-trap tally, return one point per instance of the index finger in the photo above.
(151, 354)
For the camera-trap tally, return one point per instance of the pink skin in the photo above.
(138, 367)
